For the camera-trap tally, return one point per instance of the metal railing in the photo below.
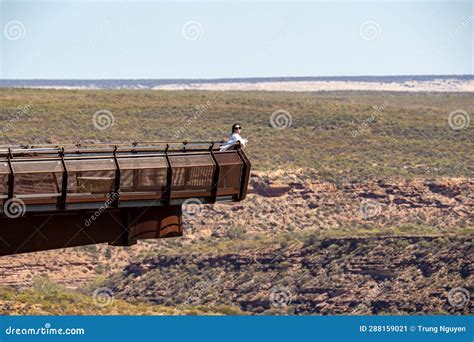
(67, 174)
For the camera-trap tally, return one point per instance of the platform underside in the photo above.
(64, 196)
(119, 227)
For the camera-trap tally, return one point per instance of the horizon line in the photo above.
(236, 78)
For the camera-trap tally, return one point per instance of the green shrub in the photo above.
(236, 232)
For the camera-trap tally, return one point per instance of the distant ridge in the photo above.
(150, 83)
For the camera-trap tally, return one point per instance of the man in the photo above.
(234, 138)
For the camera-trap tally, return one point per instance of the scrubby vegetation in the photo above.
(304, 274)
(328, 257)
(341, 134)
(44, 297)
(300, 273)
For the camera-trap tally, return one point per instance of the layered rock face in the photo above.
(282, 201)
(420, 249)
(396, 275)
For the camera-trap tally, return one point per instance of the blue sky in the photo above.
(156, 39)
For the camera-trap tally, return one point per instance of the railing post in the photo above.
(11, 175)
(169, 179)
(63, 197)
(245, 173)
(215, 177)
(116, 192)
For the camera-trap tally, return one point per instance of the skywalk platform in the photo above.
(71, 195)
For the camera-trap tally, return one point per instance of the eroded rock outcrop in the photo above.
(396, 275)
(278, 202)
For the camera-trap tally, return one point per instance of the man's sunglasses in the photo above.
(238, 127)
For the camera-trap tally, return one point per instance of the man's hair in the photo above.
(234, 126)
